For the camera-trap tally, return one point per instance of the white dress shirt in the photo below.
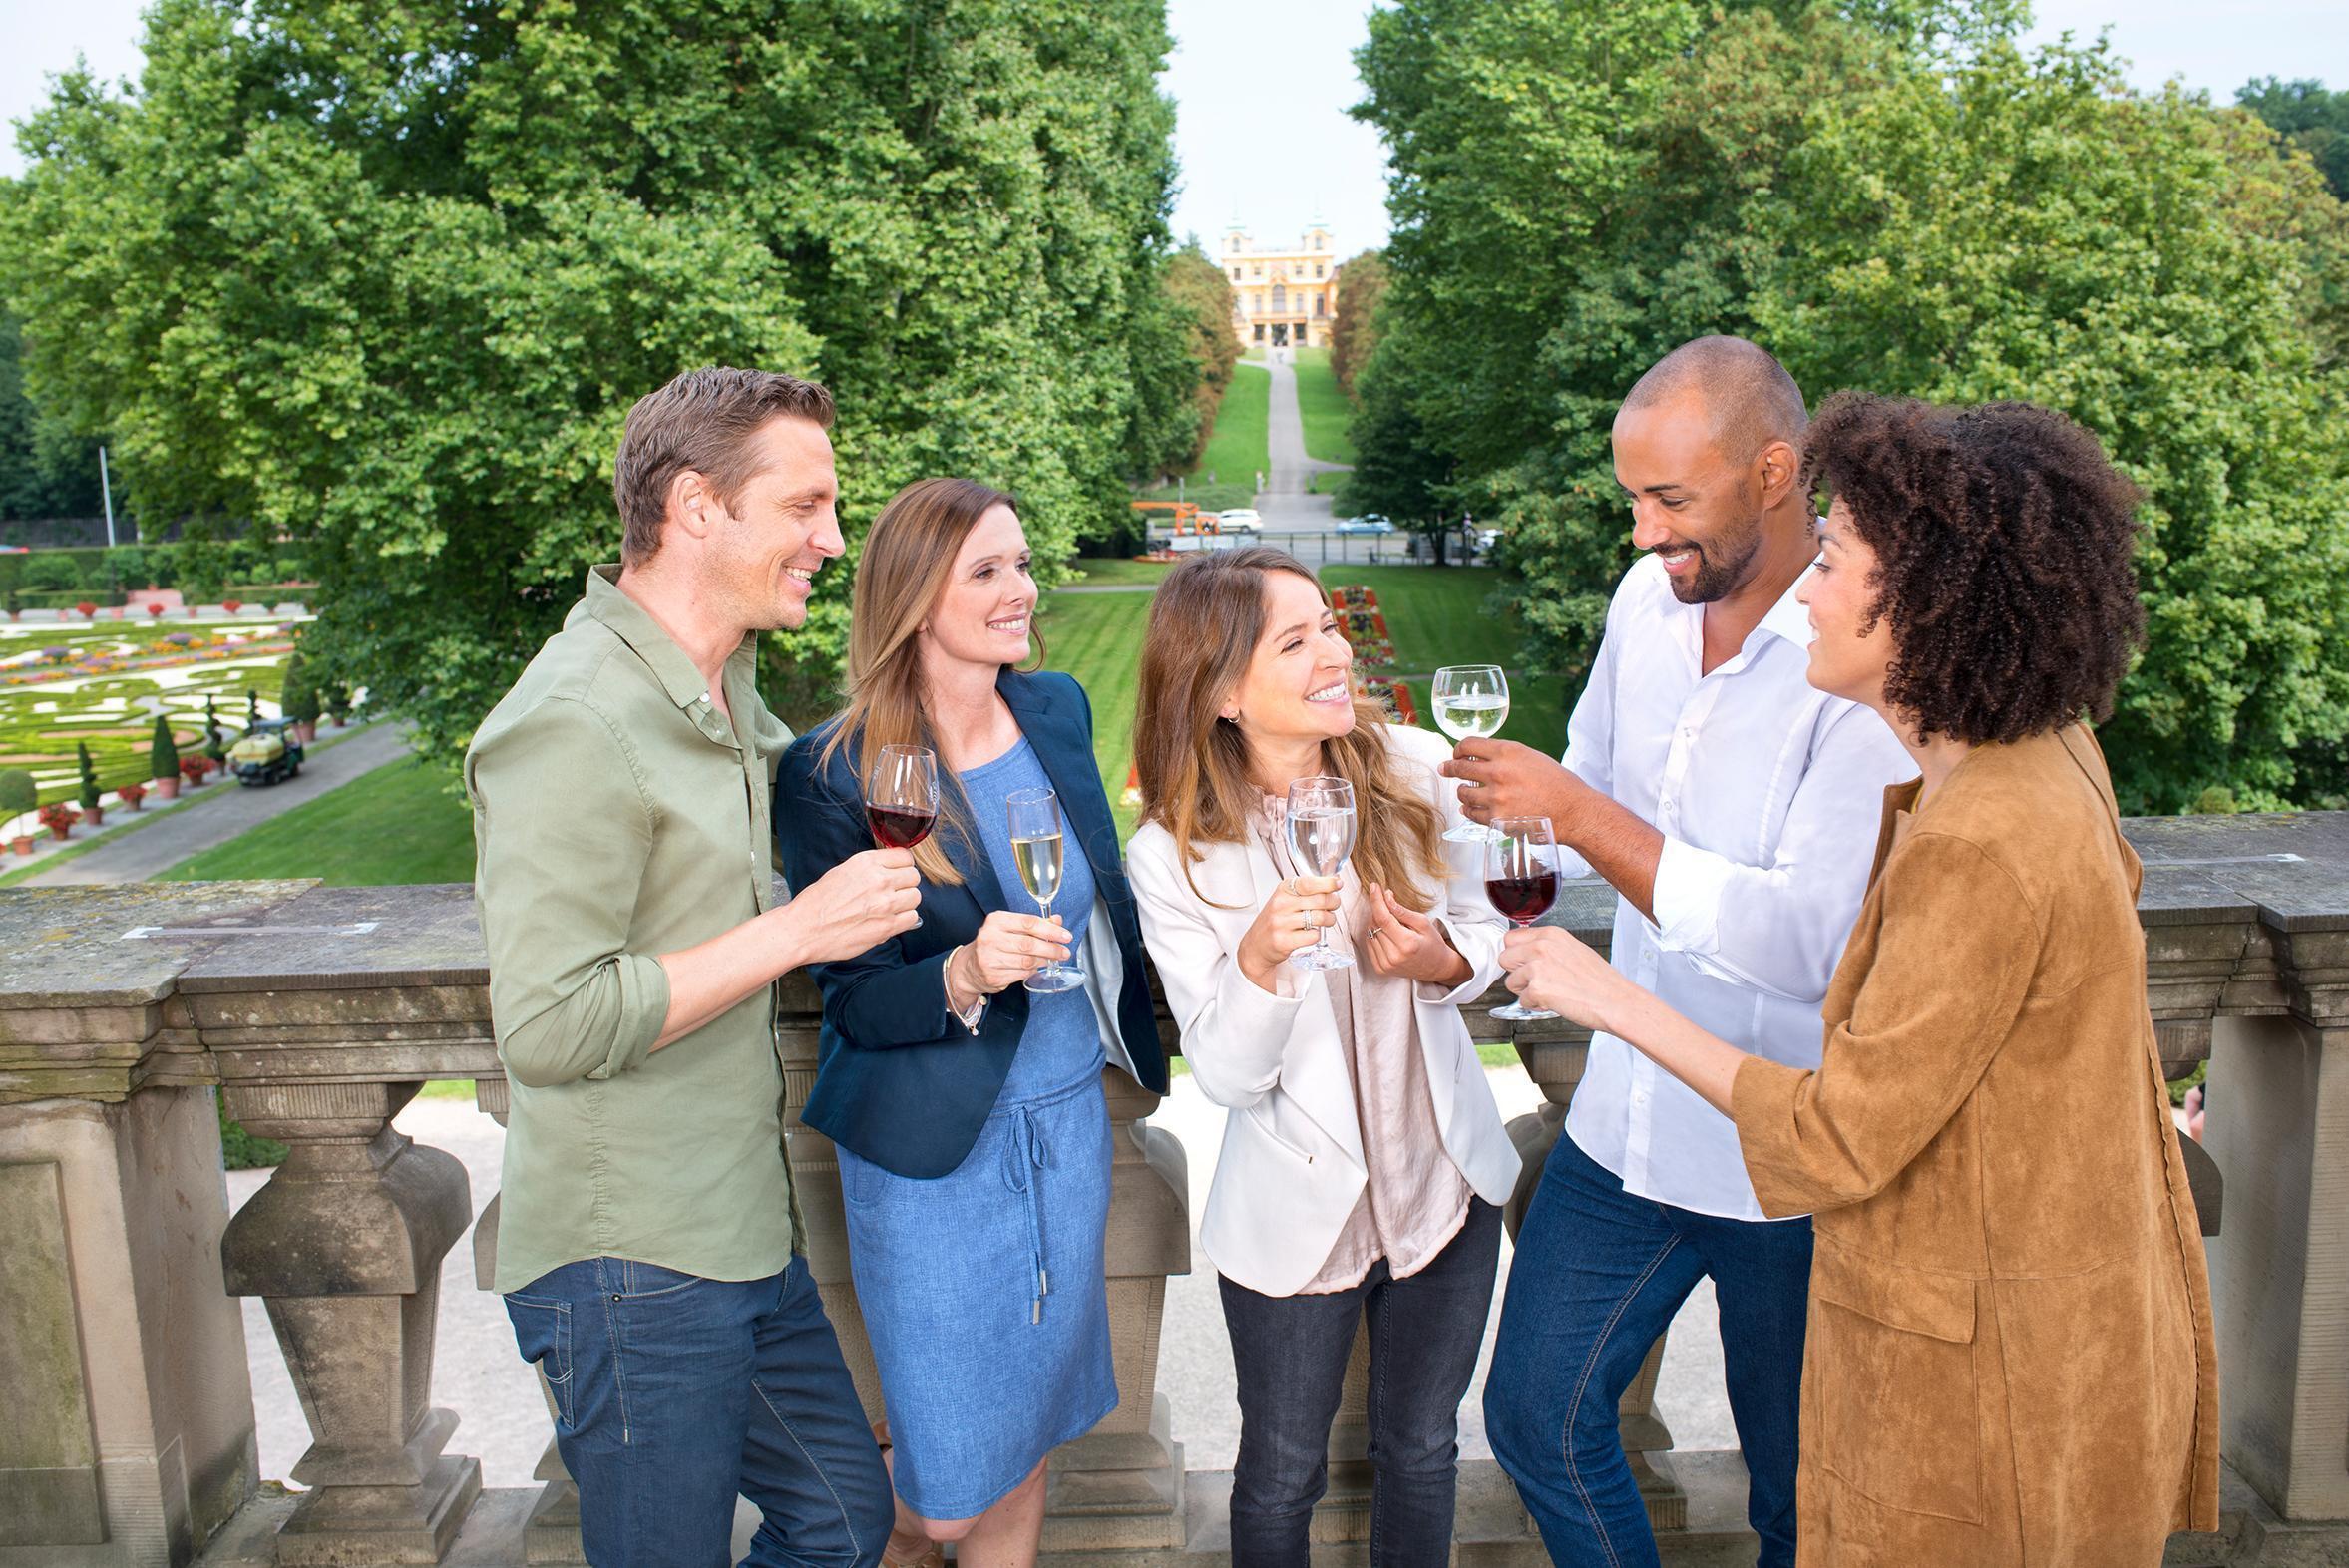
(1769, 793)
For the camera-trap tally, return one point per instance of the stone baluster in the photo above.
(550, 1534)
(345, 1246)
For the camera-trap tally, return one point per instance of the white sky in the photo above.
(1263, 87)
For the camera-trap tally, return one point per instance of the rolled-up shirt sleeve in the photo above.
(562, 831)
(1781, 927)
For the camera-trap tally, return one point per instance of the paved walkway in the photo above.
(160, 845)
(1283, 500)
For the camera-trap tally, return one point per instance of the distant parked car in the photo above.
(1368, 522)
(1239, 520)
(1486, 538)
(270, 753)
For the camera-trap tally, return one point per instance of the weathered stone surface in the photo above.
(48, 1454)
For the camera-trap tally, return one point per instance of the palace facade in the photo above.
(1282, 297)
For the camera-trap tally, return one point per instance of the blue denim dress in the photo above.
(983, 1289)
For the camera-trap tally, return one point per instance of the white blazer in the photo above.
(1292, 1162)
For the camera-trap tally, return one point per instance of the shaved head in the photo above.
(1748, 398)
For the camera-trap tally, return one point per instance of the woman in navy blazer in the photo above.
(969, 1112)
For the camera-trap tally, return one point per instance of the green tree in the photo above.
(1203, 298)
(486, 230)
(1353, 330)
(2309, 116)
(46, 471)
(162, 753)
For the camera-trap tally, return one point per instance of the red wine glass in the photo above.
(1521, 879)
(901, 795)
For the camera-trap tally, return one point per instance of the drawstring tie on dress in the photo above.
(1023, 1151)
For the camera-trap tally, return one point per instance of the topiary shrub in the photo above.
(88, 792)
(163, 756)
(18, 793)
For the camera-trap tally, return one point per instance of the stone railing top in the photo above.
(296, 968)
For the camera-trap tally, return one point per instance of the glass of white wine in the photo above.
(1036, 850)
(1471, 704)
(1321, 824)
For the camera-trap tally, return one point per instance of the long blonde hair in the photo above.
(908, 558)
(1205, 622)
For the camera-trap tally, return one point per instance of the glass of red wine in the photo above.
(1521, 879)
(901, 795)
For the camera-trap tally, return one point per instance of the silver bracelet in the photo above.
(969, 1020)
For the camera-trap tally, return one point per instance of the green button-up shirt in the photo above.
(617, 816)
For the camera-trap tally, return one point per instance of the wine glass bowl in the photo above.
(1470, 702)
(1321, 824)
(901, 795)
(1038, 845)
(1521, 880)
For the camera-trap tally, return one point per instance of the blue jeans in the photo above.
(1290, 1353)
(673, 1393)
(1597, 1276)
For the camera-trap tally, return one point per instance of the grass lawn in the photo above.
(1322, 407)
(1438, 616)
(1111, 571)
(1097, 637)
(1237, 451)
(398, 822)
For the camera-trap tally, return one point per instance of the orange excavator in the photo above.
(1188, 520)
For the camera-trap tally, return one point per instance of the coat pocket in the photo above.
(1894, 1410)
(542, 1331)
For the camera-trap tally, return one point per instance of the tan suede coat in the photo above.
(2009, 1357)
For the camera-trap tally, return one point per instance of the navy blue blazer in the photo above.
(899, 1082)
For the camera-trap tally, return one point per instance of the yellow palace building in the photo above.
(1282, 297)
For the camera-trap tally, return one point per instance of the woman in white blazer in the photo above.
(1363, 1161)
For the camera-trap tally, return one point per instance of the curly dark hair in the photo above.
(2003, 536)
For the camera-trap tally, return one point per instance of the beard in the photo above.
(1721, 566)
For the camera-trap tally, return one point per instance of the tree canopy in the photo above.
(385, 279)
(1894, 198)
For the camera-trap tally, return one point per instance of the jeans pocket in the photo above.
(542, 1331)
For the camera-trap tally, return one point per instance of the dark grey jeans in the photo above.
(1291, 1354)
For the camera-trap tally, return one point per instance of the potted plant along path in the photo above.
(297, 701)
(88, 792)
(162, 760)
(130, 794)
(19, 795)
(59, 818)
(192, 769)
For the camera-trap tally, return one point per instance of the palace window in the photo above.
(1317, 269)
(1320, 304)
(1280, 298)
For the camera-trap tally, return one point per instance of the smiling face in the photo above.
(1692, 505)
(1848, 656)
(981, 615)
(761, 553)
(1298, 685)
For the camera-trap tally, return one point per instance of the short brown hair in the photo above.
(2003, 538)
(702, 421)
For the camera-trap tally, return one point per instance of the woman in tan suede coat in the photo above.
(2010, 1358)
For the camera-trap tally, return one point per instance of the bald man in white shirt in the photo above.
(1732, 807)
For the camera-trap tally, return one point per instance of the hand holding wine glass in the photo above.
(1521, 879)
(1320, 828)
(1037, 848)
(1471, 702)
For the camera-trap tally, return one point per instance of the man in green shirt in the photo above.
(621, 811)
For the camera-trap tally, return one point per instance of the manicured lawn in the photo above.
(399, 823)
(1097, 637)
(1322, 407)
(1439, 616)
(1116, 572)
(1238, 450)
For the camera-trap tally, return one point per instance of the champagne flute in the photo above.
(1472, 702)
(1521, 879)
(901, 795)
(1036, 851)
(1321, 825)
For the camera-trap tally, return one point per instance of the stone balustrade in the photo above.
(316, 1013)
